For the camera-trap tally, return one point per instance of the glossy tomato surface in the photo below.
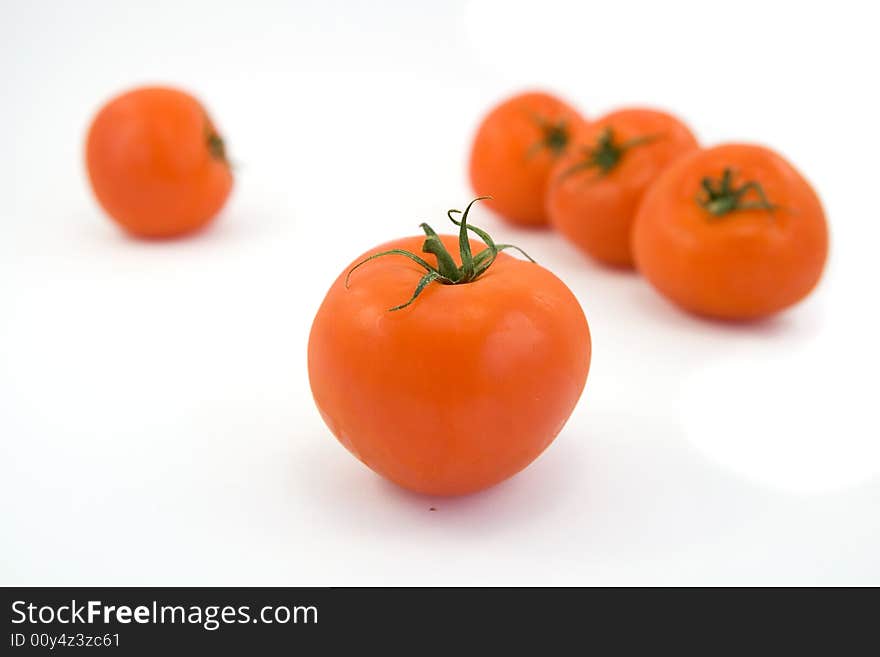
(156, 163)
(742, 264)
(458, 391)
(515, 148)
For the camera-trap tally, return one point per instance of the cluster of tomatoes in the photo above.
(732, 231)
(444, 363)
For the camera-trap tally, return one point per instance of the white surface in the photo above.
(156, 423)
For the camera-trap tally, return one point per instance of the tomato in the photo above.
(156, 163)
(514, 150)
(732, 232)
(442, 379)
(595, 189)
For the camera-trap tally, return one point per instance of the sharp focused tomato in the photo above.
(514, 150)
(447, 387)
(732, 232)
(156, 162)
(595, 189)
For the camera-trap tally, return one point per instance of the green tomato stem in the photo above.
(719, 196)
(606, 153)
(446, 271)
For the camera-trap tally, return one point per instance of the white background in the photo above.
(156, 423)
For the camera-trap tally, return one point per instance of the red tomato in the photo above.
(514, 150)
(461, 386)
(733, 232)
(156, 162)
(595, 189)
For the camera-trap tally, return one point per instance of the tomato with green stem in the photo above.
(157, 163)
(450, 370)
(515, 148)
(732, 232)
(595, 189)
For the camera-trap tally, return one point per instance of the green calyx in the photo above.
(214, 142)
(719, 196)
(216, 146)
(447, 272)
(606, 153)
(555, 136)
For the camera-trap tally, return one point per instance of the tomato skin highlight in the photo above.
(595, 211)
(460, 390)
(744, 265)
(507, 161)
(151, 163)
